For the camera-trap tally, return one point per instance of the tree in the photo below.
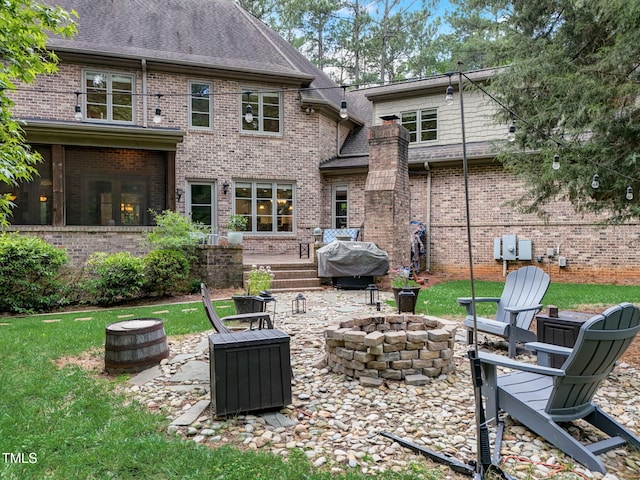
(573, 84)
(23, 52)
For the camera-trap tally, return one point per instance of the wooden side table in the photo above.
(561, 330)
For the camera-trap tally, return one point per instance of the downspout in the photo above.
(428, 219)
(144, 92)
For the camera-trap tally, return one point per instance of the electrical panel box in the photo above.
(510, 248)
(509, 245)
(497, 248)
(524, 250)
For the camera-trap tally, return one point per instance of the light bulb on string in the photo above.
(248, 116)
(448, 97)
(629, 194)
(157, 117)
(556, 162)
(78, 110)
(511, 134)
(595, 182)
(344, 113)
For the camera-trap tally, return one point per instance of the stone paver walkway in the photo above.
(338, 422)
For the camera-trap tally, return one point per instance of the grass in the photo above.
(64, 423)
(440, 300)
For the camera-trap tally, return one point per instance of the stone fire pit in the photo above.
(413, 348)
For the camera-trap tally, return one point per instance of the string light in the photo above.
(595, 181)
(157, 117)
(511, 135)
(344, 114)
(448, 98)
(629, 195)
(78, 110)
(248, 116)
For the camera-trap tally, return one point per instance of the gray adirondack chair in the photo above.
(520, 300)
(262, 318)
(540, 397)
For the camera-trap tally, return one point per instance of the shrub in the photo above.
(30, 271)
(166, 271)
(174, 231)
(114, 278)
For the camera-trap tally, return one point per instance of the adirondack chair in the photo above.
(262, 318)
(520, 300)
(540, 397)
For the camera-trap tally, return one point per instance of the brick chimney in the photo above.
(387, 197)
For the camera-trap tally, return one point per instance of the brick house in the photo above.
(200, 65)
(590, 252)
(296, 165)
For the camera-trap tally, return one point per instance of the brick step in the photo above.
(275, 267)
(289, 274)
(293, 284)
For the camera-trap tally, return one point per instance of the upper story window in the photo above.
(422, 125)
(109, 96)
(200, 105)
(266, 112)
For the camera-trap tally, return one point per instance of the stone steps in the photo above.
(292, 276)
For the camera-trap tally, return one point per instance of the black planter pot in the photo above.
(406, 303)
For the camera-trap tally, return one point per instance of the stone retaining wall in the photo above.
(413, 348)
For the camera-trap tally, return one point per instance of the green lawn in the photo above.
(440, 300)
(64, 423)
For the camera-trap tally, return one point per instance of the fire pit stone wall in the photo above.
(413, 348)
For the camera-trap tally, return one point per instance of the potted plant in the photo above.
(236, 225)
(258, 284)
(402, 280)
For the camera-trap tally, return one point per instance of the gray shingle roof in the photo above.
(214, 34)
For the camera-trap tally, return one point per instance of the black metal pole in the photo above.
(484, 464)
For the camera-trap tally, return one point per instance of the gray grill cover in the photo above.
(351, 259)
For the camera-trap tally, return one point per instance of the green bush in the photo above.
(114, 278)
(166, 271)
(30, 271)
(174, 231)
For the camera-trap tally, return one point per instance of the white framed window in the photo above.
(268, 206)
(340, 203)
(200, 105)
(109, 96)
(422, 125)
(201, 203)
(266, 111)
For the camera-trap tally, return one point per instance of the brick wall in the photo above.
(221, 154)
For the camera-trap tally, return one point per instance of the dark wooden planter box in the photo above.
(248, 304)
(250, 371)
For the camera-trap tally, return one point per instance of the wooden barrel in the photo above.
(134, 345)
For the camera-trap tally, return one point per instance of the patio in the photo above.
(337, 420)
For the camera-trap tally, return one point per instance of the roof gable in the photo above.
(210, 33)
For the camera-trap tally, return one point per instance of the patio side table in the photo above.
(561, 330)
